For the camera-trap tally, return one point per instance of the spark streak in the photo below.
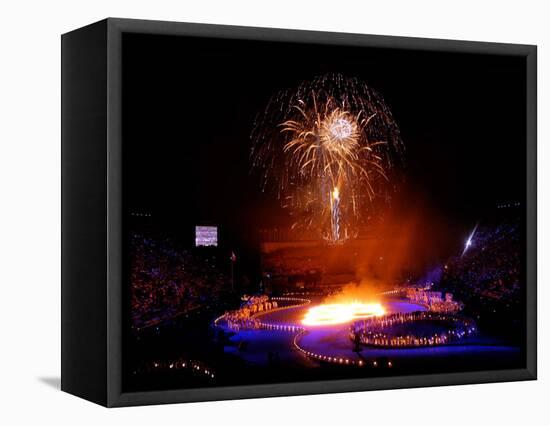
(469, 241)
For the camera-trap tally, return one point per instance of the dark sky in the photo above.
(189, 106)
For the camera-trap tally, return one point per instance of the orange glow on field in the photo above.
(341, 313)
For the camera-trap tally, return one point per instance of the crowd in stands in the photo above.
(166, 281)
(279, 265)
(488, 272)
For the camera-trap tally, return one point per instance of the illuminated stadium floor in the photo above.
(261, 346)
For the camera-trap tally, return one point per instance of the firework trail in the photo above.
(326, 149)
(335, 215)
(469, 241)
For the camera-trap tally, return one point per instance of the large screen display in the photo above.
(206, 236)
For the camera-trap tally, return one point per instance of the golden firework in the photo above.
(330, 134)
(333, 143)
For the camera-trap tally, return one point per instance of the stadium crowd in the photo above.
(167, 281)
(488, 271)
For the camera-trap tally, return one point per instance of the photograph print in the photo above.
(300, 212)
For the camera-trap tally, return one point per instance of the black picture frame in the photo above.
(92, 275)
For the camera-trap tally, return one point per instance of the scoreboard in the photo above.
(206, 236)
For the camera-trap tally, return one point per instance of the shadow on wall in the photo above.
(54, 382)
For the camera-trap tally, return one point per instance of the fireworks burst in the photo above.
(327, 148)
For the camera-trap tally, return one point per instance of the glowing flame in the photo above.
(336, 194)
(341, 313)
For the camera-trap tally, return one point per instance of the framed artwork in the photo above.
(253, 212)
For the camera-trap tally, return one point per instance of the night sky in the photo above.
(189, 105)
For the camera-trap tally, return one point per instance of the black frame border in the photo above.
(115, 28)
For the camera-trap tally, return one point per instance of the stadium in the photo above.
(334, 220)
(320, 320)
